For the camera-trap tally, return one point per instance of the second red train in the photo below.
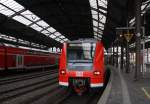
(18, 58)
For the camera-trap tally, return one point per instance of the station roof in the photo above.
(51, 22)
(59, 20)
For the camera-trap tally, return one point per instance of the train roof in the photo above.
(89, 40)
(28, 50)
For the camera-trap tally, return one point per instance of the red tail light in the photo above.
(63, 72)
(97, 73)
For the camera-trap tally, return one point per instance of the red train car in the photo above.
(82, 65)
(18, 58)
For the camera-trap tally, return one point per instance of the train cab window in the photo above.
(80, 56)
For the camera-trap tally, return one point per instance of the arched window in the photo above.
(58, 49)
(54, 49)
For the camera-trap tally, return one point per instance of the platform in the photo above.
(122, 89)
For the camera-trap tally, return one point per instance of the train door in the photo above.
(19, 61)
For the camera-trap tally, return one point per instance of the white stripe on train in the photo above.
(63, 83)
(97, 85)
(91, 85)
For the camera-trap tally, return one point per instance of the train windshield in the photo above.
(80, 56)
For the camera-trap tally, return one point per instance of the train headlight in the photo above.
(97, 73)
(63, 72)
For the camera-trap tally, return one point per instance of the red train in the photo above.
(18, 58)
(82, 65)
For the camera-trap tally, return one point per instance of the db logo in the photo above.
(79, 74)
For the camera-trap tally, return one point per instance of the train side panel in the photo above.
(31, 60)
(2, 58)
(17, 58)
(63, 77)
(98, 80)
(12, 57)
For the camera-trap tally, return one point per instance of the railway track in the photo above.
(12, 93)
(25, 77)
(62, 96)
(88, 98)
(42, 89)
(27, 84)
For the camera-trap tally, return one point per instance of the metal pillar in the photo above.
(127, 58)
(147, 56)
(117, 54)
(138, 36)
(143, 63)
(113, 55)
(122, 54)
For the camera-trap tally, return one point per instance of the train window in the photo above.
(80, 56)
(19, 60)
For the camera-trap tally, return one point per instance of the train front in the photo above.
(82, 65)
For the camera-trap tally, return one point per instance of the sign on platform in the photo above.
(128, 36)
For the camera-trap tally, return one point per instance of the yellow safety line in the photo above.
(146, 93)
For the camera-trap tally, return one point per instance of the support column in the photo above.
(113, 55)
(143, 55)
(127, 58)
(117, 54)
(122, 54)
(138, 36)
(147, 56)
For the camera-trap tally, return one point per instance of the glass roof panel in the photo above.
(61, 41)
(147, 1)
(95, 32)
(12, 4)
(57, 34)
(99, 32)
(7, 37)
(93, 3)
(26, 17)
(95, 29)
(52, 36)
(42, 23)
(94, 12)
(45, 32)
(65, 39)
(102, 3)
(36, 27)
(57, 39)
(95, 36)
(101, 25)
(62, 37)
(51, 29)
(148, 6)
(95, 23)
(96, 15)
(103, 11)
(103, 18)
(99, 35)
(30, 15)
(22, 20)
(6, 11)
